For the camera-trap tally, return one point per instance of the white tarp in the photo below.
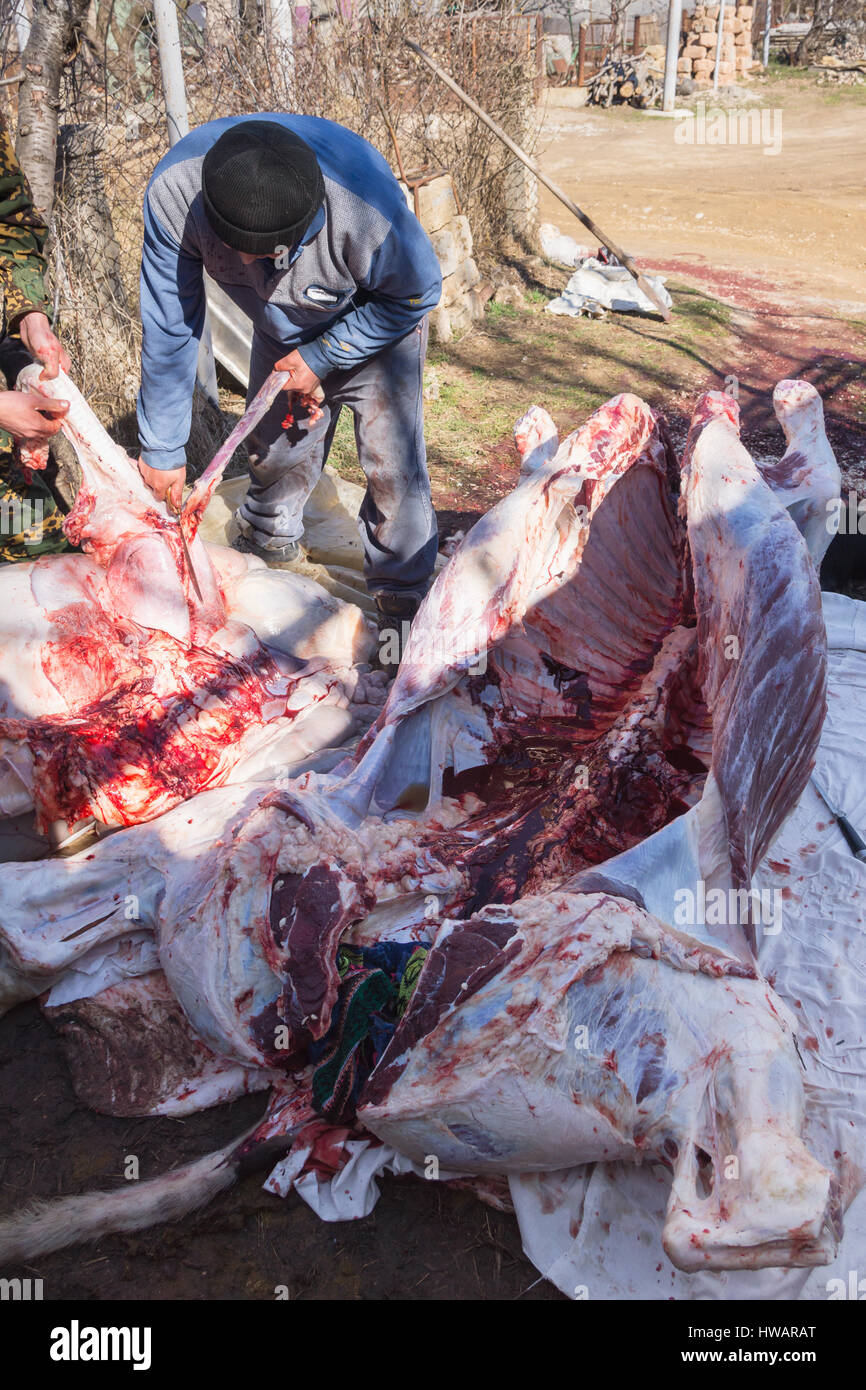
(595, 1231)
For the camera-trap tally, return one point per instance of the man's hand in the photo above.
(303, 382)
(21, 413)
(37, 337)
(164, 482)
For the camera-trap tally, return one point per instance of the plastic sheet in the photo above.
(595, 1231)
(608, 286)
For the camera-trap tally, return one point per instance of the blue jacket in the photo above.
(364, 237)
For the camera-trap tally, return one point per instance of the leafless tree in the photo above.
(832, 21)
(55, 34)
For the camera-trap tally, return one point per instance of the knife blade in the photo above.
(187, 558)
(854, 839)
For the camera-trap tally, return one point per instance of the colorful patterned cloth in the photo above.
(375, 989)
(30, 521)
(22, 240)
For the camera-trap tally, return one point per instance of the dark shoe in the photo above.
(275, 555)
(394, 614)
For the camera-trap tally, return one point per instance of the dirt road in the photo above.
(797, 217)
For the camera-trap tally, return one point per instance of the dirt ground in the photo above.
(423, 1241)
(767, 283)
(795, 219)
(763, 255)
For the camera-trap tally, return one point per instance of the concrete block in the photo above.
(436, 204)
(464, 278)
(461, 316)
(440, 325)
(453, 245)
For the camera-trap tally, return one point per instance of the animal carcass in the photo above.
(615, 689)
(126, 689)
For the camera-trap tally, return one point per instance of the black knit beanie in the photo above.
(262, 187)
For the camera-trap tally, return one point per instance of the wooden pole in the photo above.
(581, 56)
(530, 163)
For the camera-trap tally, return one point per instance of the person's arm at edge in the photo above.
(172, 300)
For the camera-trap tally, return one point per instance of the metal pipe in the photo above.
(177, 120)
(768, 24)
(171, 69)
(719, 39)
(672, 53)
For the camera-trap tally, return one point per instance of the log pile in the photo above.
(637, 79)
(845, 66)
(697, 60)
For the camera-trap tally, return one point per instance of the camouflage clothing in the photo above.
(30, 523)
(22, 239)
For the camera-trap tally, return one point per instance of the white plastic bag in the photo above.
(612, 286)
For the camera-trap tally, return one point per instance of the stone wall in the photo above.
(464, 294)
(698, 48)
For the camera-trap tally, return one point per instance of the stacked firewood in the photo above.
(697, 59)
(637, 79)
(845, 65)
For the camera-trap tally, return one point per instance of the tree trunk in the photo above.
(618, 19)
(52, 28)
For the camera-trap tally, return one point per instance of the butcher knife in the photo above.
(855, 841)
(187, 558)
